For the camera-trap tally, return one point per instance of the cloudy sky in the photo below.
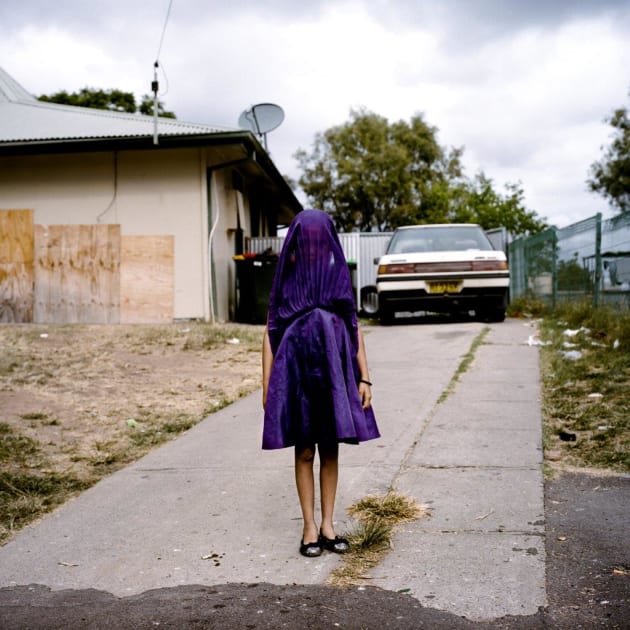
(523, 85)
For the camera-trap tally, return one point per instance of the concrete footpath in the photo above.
(212, 508)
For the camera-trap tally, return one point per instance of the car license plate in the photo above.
(445, 287)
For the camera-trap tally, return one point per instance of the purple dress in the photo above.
(313, 394)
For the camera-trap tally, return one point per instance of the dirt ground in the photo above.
(93, 398)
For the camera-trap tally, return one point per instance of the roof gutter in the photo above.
(252, 149)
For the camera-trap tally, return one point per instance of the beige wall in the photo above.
(60, 188)
(161, 192)
(147, 193)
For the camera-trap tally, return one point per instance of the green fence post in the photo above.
(598, 258)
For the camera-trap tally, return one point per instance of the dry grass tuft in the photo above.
(377, 518)
(392, 508)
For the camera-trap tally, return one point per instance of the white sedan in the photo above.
(447, 268)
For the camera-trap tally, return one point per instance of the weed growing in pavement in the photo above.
(377, 517)
(464, 363)
(586, 386)
(392, 508)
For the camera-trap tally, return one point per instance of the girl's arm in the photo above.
(365, 391)
(267, 362)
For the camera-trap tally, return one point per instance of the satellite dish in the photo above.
(261, 119)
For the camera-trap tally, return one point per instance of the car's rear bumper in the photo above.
(402, 296)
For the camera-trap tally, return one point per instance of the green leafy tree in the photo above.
(572, 276)
(481, 203)
(146, 107)
(369, 174)
(113, 100)
(611, 175)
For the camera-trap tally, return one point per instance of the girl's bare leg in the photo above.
(305, 483)
(328, 475)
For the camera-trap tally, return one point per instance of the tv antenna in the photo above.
(261, 119)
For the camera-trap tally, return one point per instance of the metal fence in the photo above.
(589, 260)
(360, 249)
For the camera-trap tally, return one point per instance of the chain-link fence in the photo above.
(589, 260)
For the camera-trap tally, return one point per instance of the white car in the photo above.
(449, 268)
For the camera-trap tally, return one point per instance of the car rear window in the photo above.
(438, 239)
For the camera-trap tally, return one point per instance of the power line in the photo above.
(168, 14)
(155, 86)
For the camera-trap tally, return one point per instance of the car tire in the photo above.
(495, 315)
(385, 313)
(369, 301)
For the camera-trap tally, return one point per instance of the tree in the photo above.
(611, 175)
(373, 175)
(571, 276)
(146, 107)
(369, 174)
(481, 203)
(113, 100)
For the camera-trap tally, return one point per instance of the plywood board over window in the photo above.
(16, 266)
(146, 279)
(77, 274)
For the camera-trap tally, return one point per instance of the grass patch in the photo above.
(34, 416)
(16, 449)
(25, 497)
(192, 336)
(208, 337)
(149, 430)
(464, 364)
(586, 387)
(527, 306)
(377, 517)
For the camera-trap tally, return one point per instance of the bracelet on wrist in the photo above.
(362, 380)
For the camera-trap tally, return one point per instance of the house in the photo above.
(200, 188)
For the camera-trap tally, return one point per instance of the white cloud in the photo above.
(525, 90)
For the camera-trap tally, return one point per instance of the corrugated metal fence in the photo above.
(588, 260)
(360, 248)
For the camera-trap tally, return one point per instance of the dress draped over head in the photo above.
(311, 273)
(312, 324)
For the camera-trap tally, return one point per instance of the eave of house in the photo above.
(31, 127)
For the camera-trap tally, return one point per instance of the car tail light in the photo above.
(489, 265)
(397, 268)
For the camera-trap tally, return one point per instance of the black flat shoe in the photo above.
(311, 550)
(336, 544)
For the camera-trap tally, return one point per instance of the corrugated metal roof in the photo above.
(11, 90)
(23, 119)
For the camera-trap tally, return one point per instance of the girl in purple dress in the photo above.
(316, 384)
